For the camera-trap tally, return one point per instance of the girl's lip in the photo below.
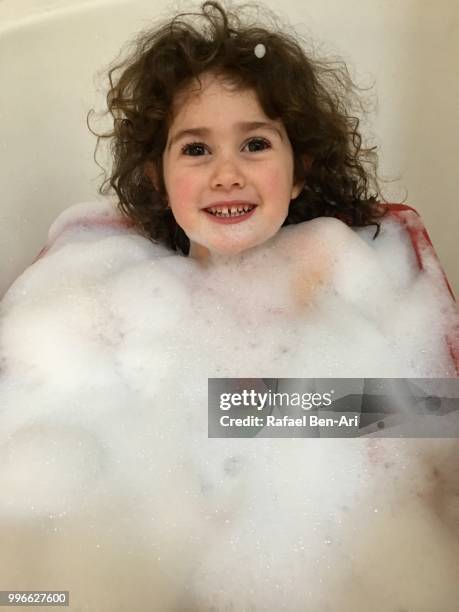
(225, 220)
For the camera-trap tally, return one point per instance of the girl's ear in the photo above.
(151, 172)
(299, 186)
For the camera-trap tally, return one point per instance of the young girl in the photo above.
(244, 246)
(302, 124)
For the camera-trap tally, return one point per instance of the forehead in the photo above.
(207, 98)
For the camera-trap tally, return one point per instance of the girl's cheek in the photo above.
(183, 188)
(272, 180)
(278, 185)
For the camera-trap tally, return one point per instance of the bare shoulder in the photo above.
(313, 248)
(323, 233)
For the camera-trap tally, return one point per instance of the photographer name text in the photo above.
(306, 420)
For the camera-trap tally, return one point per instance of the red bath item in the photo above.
(422, 245)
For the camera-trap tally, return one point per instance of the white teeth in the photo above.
(233, 211)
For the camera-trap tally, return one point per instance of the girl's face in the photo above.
(222, 148)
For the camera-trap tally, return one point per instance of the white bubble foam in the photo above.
(107, 343)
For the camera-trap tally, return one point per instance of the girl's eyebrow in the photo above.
(241, 126)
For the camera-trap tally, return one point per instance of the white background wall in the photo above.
(50, 51)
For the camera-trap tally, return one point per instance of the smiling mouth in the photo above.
(229, 212)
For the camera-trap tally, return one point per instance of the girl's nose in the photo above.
(227, 174)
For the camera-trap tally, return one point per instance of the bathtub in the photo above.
(53, 52)
(50, 55)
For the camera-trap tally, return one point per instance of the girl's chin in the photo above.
(235, 243)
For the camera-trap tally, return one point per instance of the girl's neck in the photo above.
(212, 259)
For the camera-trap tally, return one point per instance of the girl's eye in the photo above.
(265, 144)
(192, 146)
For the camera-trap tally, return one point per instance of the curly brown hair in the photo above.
(313, 97)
